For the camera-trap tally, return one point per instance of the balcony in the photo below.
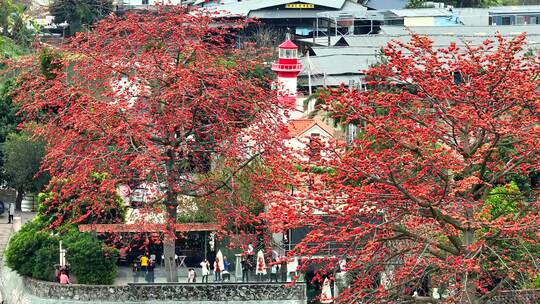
(286, 67)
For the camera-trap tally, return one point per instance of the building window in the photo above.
(520, 20)
(458, 78)
(533, 20)
(145, 2)
(506, 20)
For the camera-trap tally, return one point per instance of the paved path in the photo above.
(7, 229)
(125, 275)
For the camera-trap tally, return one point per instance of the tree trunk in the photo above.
(170, 263)
(18, 200)
(470, 278)
(171, 205)
(469, 295)
(169, 243)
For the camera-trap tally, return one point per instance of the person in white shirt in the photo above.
(205, 265)
(11, 212)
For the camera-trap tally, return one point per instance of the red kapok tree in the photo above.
(155, 97)
(408, 203)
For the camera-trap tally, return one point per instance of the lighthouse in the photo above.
(287, 69)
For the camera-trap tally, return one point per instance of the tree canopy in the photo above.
(78, 13)
(412, 201)
(22, 157)
(151, 97)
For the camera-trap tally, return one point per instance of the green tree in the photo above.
(416, 4)
(508, 201)
(78, 13)
(22, 159)
(13, 22)
(8, 121)
(7, 8)
(8, 111)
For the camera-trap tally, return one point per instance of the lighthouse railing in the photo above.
(286, 66)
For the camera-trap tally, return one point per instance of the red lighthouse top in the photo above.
(287, 65)
(288, 45)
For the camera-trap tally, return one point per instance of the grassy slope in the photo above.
(9, 49)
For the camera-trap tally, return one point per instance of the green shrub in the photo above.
(45, 259)
(536, 282)
(90, 261)
(504, 200)
(49, 60)
(32, 252)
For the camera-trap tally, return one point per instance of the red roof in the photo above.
(288, 44)
(298, 127)
(147, 227)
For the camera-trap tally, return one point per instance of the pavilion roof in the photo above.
(147, 227)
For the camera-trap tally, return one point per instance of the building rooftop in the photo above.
(421, 12)
(340, 64)
(323, 41)
(343, 50)
(473, 31)
(514, 9)
(386, 4)
(297, 127)
(244, 8)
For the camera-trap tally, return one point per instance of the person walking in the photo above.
(205, 265)
(274, 271)
(217, 270)
(144, 262)
(226, 264)
(149, 276)
(11, 212)
(226, 275)
(246, 267)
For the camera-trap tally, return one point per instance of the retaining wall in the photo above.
(517, 297)
(17, 290)
(193, 293)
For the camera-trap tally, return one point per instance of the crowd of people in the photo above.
(220, 268)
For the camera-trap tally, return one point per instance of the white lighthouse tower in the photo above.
(287, 69)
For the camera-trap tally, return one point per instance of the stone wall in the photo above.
(517, 297)
(267, 293)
